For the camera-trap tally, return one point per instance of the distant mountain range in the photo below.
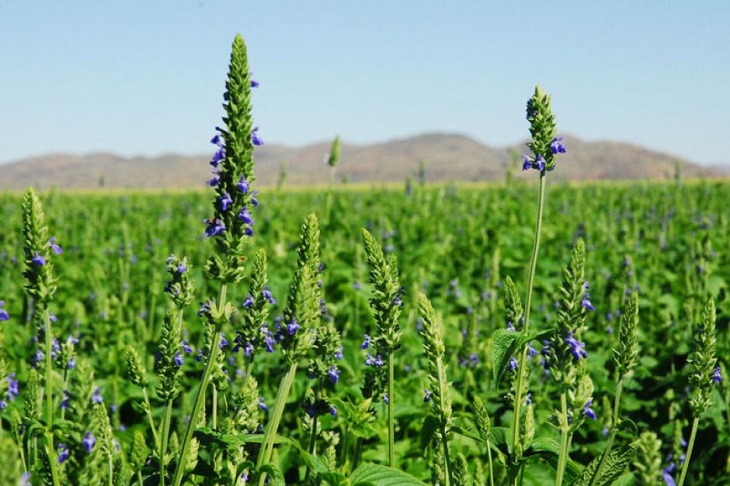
(443, 157)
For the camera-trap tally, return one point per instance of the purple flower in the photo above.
(181, 268)
(268, 295)
(243, 185)
(255, 139)
(427, 396)
(223, 342)
(248, 349)
(71, 363)
(38, 260)
(63, 453)
(262, 404)
(213, 181)
(577, 348)
(376, 361)
(225, 201)
(4, 316)
(245, 216)
(270, 342)
(556, 146)
(526, 162)
(218, 156)
(717, 376)
(254, 199)
(54, 246)
(338, 353)
(334, 374)
(217, 140)
(66, 400)
(254, 83)
(96, 397)
(667, 474)
(513, 364)
(540, 163)
(586, 303)
(204, 309)
(178, 359)
(588, 411)
(88, 441)
(333, 410)
(248, 302)
(215, 227)
(186, 347)
(366, 343)
(386, 399)
(293, 326)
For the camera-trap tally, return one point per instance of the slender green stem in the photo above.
(214, 415)
(447, 457)
(521, 369)
(111, 469)
(612, 434)
(313, 435)
(148, 410)
(165, 437)
(491, 465)
(267, 445)
(50, 449)
(199, 398)
(391, 410)
(690, 446)
(53, 462)
(140, 482)
(564, 440)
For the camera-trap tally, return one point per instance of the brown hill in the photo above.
(443, 156)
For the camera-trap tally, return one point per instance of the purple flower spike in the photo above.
(365, 344)
(268, 295)
(63, 453)
(293, 326)
(255, 139)
(248, 302)
(556, 146)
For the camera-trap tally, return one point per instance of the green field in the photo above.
(457, 244)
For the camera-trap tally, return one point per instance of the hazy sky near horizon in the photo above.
(146, 77)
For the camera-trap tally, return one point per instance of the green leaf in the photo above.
(430, 426)
(615, 464)
(549, 450)
(504, 343)
(376, 475)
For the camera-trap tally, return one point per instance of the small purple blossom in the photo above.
(262, 404)
(255, 139)
(588, 411)
(223, 342)
(268, 295)
(96, 397)
(338, 353)
(54, 246)
(293, 326)
(586, 303)
(334, 374)
(427, 395)
(248, 302)
(4, 316)
(248, 349)
(556, 146)
(186, 347)
(376, 361)
(366, 343)
(215, 227)
(63, 452)
(540, 163)
(88, 441)
(66, 400)
(178, 359)
(225, 201)
(243, 185)
(513, 364)
(245, 216)
(218, 156)
(204, 309)
(333, 410)
(38, 260)
(717, 376)
(577, 348)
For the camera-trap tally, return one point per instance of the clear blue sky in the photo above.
(146, 77)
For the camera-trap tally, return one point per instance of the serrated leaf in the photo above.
(615, 464)
(504, 343)
(377, 475)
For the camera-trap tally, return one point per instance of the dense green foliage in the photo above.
(455, 244)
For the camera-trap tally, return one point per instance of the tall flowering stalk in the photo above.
(231, 222)
(298, 331)
(705, 375)
(440, 396)
(565, 355)
(386, 303)
(41, 285)
(545, 147)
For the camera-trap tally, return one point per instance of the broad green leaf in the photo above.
(549, 450)
(615, 464)
(377, 475)
(504, 343)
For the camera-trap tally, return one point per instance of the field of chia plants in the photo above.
(521, 333)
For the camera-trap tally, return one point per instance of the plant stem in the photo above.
(148, 409)
(313, 436)
(491, 465)
(165, 438)
(564, 440)
(690, 446)
(50, 450)
(612, 434)
(521, 372)
(391, 410)
(267, 445)
(199, 397)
